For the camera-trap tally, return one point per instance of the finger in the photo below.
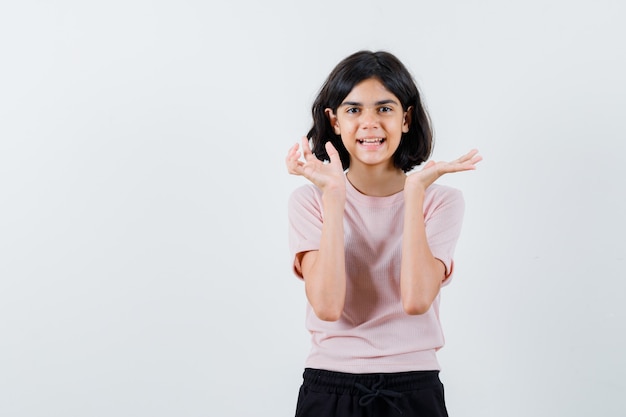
(295, 167)
(472, 158)
(292, 154)
(466, 165)
(332, 152)
(468, 156)
(476, 158)
(292, 161)
(306, 148)
(292, 151)
(472, 152)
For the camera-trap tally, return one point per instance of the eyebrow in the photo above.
(378, 103)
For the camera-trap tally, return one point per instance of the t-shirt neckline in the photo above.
(373, 201)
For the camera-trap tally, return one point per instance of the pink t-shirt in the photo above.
(374, 334)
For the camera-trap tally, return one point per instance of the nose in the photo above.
(369, 118)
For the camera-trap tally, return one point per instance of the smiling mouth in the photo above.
(371, 141)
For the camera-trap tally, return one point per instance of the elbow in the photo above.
(329, 317)
(416, 307)
(327, 305)
(328, 312)
(418, 299)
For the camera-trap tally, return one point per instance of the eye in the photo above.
(385, 109)
(352, 110)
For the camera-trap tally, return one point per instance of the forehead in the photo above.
(370, 91)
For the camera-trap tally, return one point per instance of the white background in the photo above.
(143, 249)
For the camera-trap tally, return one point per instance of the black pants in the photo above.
(338, 394)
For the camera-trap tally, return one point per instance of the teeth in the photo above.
(377, 140)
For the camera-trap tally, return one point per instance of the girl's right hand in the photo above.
(328, 176)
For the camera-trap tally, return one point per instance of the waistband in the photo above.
(347, 383)
(388, 387)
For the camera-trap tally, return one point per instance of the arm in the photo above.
(323, 270)
(421, 274)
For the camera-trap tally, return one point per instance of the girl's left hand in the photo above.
(433, 170)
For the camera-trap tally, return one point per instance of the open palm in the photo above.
(324, 175)
(434, 170)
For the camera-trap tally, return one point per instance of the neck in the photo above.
(376, 181)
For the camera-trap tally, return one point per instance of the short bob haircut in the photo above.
(415, 145)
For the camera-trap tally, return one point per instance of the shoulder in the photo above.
(440, 197)
(443, 193)
(306, 192)
(306, 196)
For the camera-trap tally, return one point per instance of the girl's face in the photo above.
(371, 122)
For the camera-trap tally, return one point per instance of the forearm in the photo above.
(421, 274)
(324, 270)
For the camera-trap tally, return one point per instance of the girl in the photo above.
(373, 244)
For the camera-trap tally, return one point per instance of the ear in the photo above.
(332, 118)
(406, 122)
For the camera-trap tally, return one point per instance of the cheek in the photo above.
(348, 142)
(397, 125)
(346, 129)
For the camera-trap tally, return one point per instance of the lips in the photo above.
(371, 141)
